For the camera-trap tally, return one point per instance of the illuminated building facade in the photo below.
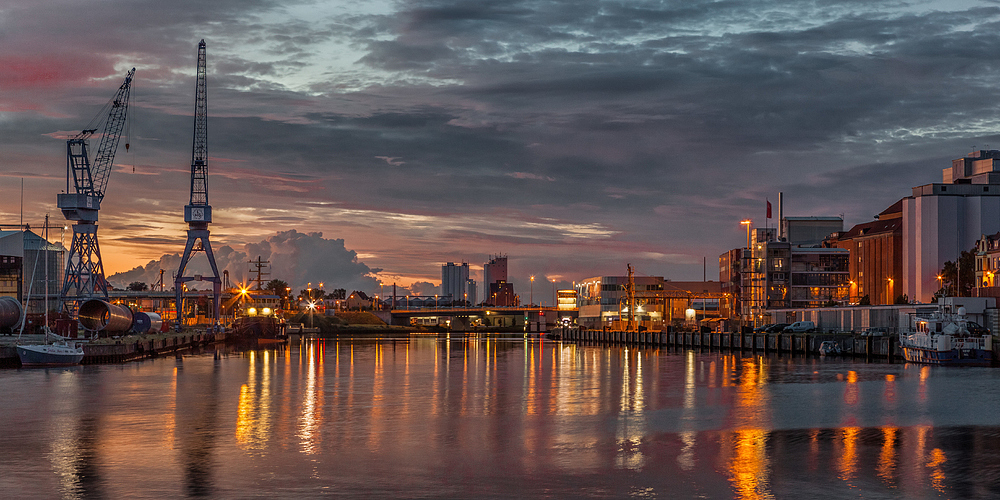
(876, 263)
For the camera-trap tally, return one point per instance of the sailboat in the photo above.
(57, 350)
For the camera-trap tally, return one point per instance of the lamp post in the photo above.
(435, 301)
(531, 296)
(553, 293)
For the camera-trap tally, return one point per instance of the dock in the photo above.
(121, 350)
(885, 347)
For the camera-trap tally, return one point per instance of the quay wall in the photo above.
(880, 347)
(123, 351)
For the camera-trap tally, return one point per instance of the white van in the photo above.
(800, 327)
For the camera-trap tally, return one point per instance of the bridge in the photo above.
(464, 318)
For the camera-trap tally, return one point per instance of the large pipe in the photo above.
(144, 322)
(98, 315)
(10, 312)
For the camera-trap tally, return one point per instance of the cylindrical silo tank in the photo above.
(145, 322)
(10, 312)
(97, 315)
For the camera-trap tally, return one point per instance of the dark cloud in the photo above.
(431, 131)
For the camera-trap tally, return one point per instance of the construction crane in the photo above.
(198, 213)
(86, 183)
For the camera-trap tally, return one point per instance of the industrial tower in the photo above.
(198, 213)
(82, 200)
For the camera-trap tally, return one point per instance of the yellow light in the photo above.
(252, 311)
(266, 311)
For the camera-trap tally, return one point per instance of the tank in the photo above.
(144, 322)
(10, 312)
(97, 315)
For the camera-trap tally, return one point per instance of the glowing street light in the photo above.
(531, 296)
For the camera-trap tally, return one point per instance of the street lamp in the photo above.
(553, 293)
(531, 296)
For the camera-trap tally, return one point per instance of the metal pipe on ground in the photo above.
(144, 322)
(10, 312)
(97, 316)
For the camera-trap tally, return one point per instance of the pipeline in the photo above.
(144, 322)
(10, 312)
(97, 315)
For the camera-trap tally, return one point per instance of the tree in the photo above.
(902, 299)
(865, 301)
(338, 294)
(137, 286)
(314, 294)
(277, 286)
(961, 279)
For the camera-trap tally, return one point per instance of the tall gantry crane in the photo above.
(198, 213)
(85, 188)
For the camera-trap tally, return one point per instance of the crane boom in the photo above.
(86, 182)
(82, 200)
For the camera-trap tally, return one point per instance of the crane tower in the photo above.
(85, 188)
(198, 213)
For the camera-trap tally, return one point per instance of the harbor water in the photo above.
(499, 417)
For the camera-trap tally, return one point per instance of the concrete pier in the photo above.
(872, 348)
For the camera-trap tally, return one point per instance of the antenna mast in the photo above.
(198, 213)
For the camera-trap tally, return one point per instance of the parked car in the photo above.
(800, 327)
(763, 328)
(777, 328)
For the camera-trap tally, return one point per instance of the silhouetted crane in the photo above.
(198, 213)
(85, 188)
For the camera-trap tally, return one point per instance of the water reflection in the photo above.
(486, 416)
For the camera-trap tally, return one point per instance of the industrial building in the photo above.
(941, 220)
(455, 284)
(36, 264)
(602, 301)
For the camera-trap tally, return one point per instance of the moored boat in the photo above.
(945, 338)
(829, 348)
(54, 354)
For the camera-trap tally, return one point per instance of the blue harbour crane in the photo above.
(86, 185)
(198, 213)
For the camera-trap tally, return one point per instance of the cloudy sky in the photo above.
(572, 136)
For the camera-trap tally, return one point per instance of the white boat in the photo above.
(57, 350)
(61, 353)
(943, 338)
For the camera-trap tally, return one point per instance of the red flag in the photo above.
(768, 209)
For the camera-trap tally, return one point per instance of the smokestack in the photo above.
(781, 216)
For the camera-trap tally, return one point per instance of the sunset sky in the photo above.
(572, 136)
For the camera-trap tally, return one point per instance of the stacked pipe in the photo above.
(144, 322)
(97, 316)
(10, 312)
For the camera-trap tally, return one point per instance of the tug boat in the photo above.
(946, 338)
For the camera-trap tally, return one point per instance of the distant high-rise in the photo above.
(494, 271)
(470, 289)
(455, 281)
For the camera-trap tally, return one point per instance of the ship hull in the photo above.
(49, 355)
(952, 357)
